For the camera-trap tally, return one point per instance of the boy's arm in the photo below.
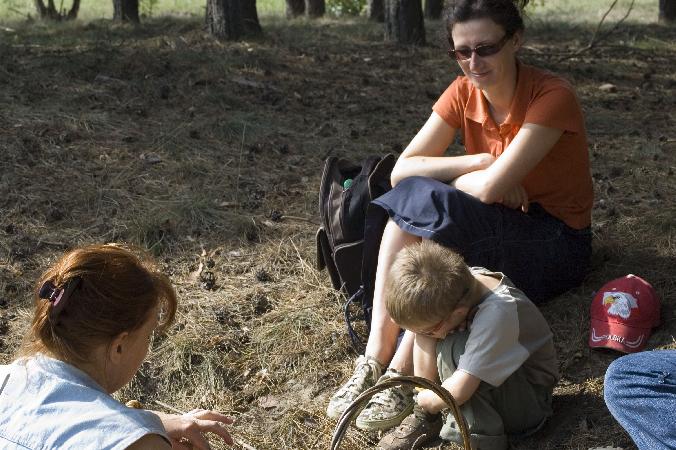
(461, 385)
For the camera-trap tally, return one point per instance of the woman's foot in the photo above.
(366, 372)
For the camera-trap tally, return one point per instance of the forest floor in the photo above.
(210, 154)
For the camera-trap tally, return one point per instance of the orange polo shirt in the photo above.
(561, 182)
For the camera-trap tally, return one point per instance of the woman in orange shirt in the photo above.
(519, 201)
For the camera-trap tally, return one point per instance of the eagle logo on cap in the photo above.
(620, 303)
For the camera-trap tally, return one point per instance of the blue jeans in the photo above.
(640, 391)
(540, 254)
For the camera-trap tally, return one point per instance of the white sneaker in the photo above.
(387, 408)
(366, 372)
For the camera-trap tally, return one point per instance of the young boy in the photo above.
(477, 333)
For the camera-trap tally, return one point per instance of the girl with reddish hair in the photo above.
(96, 309)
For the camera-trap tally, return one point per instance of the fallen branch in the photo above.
(595, 37)
(299, 219)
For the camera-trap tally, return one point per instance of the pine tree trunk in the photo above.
(433, 9)
(224, 19)
(315, 8)
(250, 17)
(42, 9)
(52, 13)
(72, 14)
(49, 12)
(667, 11)
(404, 22)
(125, 10)
(375, 10)
(295, 8)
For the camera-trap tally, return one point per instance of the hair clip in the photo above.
(50, 292)
(58, 296)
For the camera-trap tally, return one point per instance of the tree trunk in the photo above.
(433, 9)
(375, 10)
(667, 11)
(49, 12)
(224, 19)
(72, 14)
(295, 8)
(40, 7)
(315, 8)
(250, 17)
(125, 10)
(404, 22)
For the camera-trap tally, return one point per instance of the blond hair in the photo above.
(426, 282)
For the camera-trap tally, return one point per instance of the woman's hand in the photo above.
(186, 430)
(483, 160)
(516, 198)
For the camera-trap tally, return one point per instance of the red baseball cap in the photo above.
(623, 313)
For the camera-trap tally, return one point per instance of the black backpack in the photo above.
(345, 193)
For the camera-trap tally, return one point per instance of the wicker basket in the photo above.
(360, 402)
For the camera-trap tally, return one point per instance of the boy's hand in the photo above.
(430, 402)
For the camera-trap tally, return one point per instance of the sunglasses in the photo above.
(465, 53)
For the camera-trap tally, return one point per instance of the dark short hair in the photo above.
(506, 13)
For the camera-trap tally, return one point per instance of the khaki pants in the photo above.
(514, 407)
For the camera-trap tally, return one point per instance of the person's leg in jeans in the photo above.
(640, 392)
(492, 413)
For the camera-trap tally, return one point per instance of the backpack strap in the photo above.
(376, 219)
(379, 179)
(325, 258)
(357, 342)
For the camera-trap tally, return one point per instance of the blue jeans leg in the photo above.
(640, 391)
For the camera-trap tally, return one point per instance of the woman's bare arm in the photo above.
(530, 145)
(424, 155)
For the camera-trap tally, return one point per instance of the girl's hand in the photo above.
(187, 430)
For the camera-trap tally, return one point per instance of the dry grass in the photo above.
(164, 137)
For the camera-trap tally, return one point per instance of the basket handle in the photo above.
(360, 402)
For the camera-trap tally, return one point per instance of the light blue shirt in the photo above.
(49, 404)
